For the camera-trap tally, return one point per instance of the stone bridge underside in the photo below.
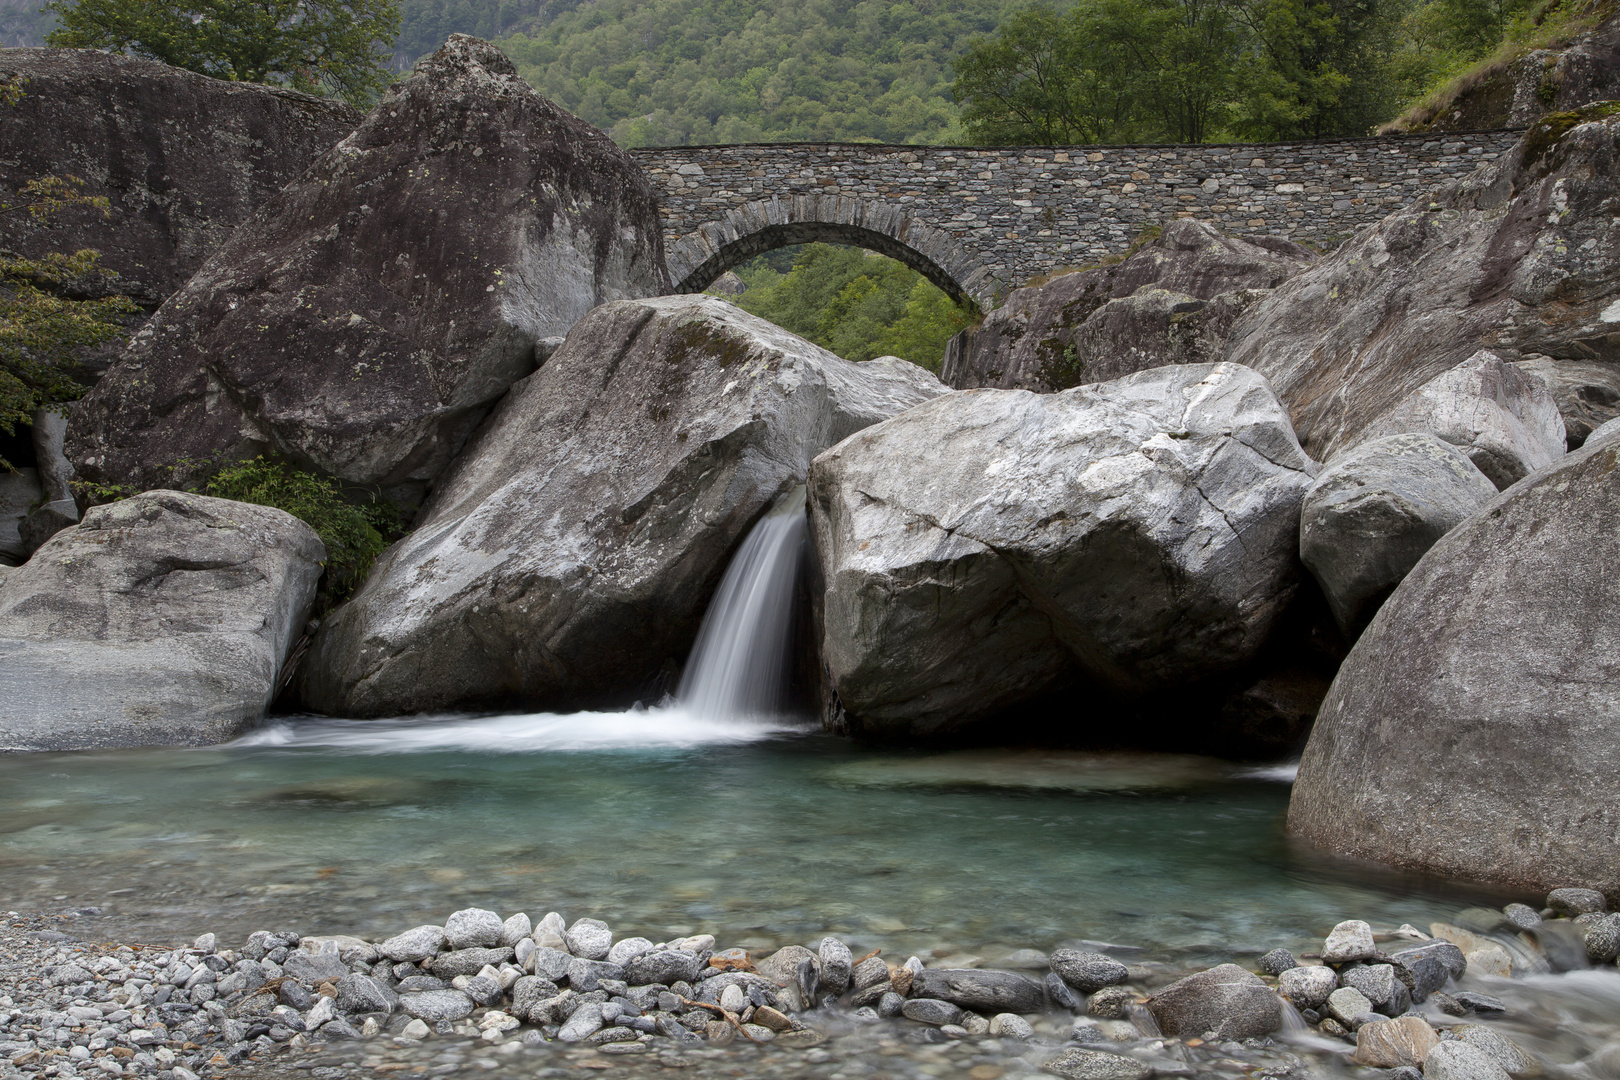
(979, 221)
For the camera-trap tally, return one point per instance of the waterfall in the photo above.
(738, 665)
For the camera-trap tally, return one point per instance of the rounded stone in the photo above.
(1088, 972)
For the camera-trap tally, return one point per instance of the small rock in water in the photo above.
(837, 963)
(1429, 967)
(1109, 1003)
(1011, 1026)
(1227, 999)
(363, 994)
(1061, 993)
(474, 928)
(415, 1030)
(589, 939)
(666, 966)
(434, 1006)
(733, 999)
(1077, 1063)
(549, 931)
(931, 1011)
(469, 961)
(1378, 983)
(1492, 961)
(1277, 961)
(1347, 1004)
(1350, 940)
(414, 945)
(628, 949)
(1573, 902)
(1088, 972)
(1307, 987)
(584, 975)
(891, 1004)
(1455, 1059)
(1514, 1059)
(971, 988)
(516, 929)
(1522, 916)
(586, 1021)
(1389, 1044)
(1481, 1004)
(871, 972)
(1603, 939)
(205, 944)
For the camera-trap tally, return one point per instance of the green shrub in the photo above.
(354, 533)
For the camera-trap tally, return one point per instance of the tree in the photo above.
(341, 47)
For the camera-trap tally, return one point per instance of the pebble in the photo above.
(1522, 916)
(474, 928)
(589, 939)
(1574, 902)
(1277, 961)
(1088, 972)
(1078, 1063)
(1307, 987)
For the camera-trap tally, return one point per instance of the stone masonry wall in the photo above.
(1024, 211)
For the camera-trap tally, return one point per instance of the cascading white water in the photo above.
(739, 663)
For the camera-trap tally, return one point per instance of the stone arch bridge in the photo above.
(979, 221)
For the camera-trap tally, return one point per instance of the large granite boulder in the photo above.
(984, 547)
(369, 317)
(1502, 416)
(1520, 258)
(181, 158)
(1473, 729)
(1172, 302)
(1587, 392)
(1375, 510)
(163, 619)
(567, 557)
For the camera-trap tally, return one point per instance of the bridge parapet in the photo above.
(1004, 214)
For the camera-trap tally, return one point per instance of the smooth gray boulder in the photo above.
(1088, 972)
(474, 928)
(1484, 691)
(985, 547)
(1171, 302)
(367, 318)
(1228, 1000)
(418, 943)
(1307, 987)
(1503, 417)
(1373, 512)
(567, 558)
(1520, 257)
(163, 619)
(1460, 1060)
(437, 1005)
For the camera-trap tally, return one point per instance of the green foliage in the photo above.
(677, 72)
(857, 305)
(1213, 70)
(319, 46)
(354, 533)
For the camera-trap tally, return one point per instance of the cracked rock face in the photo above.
(986, 547)
(161, 620)
(1485, 690)
(1521, 258)
(1170, 303)
(372, 313)
(568, 556)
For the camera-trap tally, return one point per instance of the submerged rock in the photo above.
(985, 547)
(1499, 647)
(1519, 258)
(569, 555)
(1374, 511)
(367, 319)
(1172, 302)
(163, 619)
(1232, 1002)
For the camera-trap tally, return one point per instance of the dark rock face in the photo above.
(983, 548)
(1172, 302)
(182, 158)
(1498, 647)
(368, 318)
(163, 619)
(571, 551)
(1521, 258)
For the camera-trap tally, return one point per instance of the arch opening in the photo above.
(698, 259)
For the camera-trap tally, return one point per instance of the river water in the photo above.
(663, 823)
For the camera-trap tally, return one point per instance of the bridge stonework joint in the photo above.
(979, 221)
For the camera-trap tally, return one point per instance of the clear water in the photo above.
(664, 823)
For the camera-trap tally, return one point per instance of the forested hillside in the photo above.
(719, 71)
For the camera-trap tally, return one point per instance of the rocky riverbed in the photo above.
(1515, 992)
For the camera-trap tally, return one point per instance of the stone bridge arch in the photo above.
(697, 259)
